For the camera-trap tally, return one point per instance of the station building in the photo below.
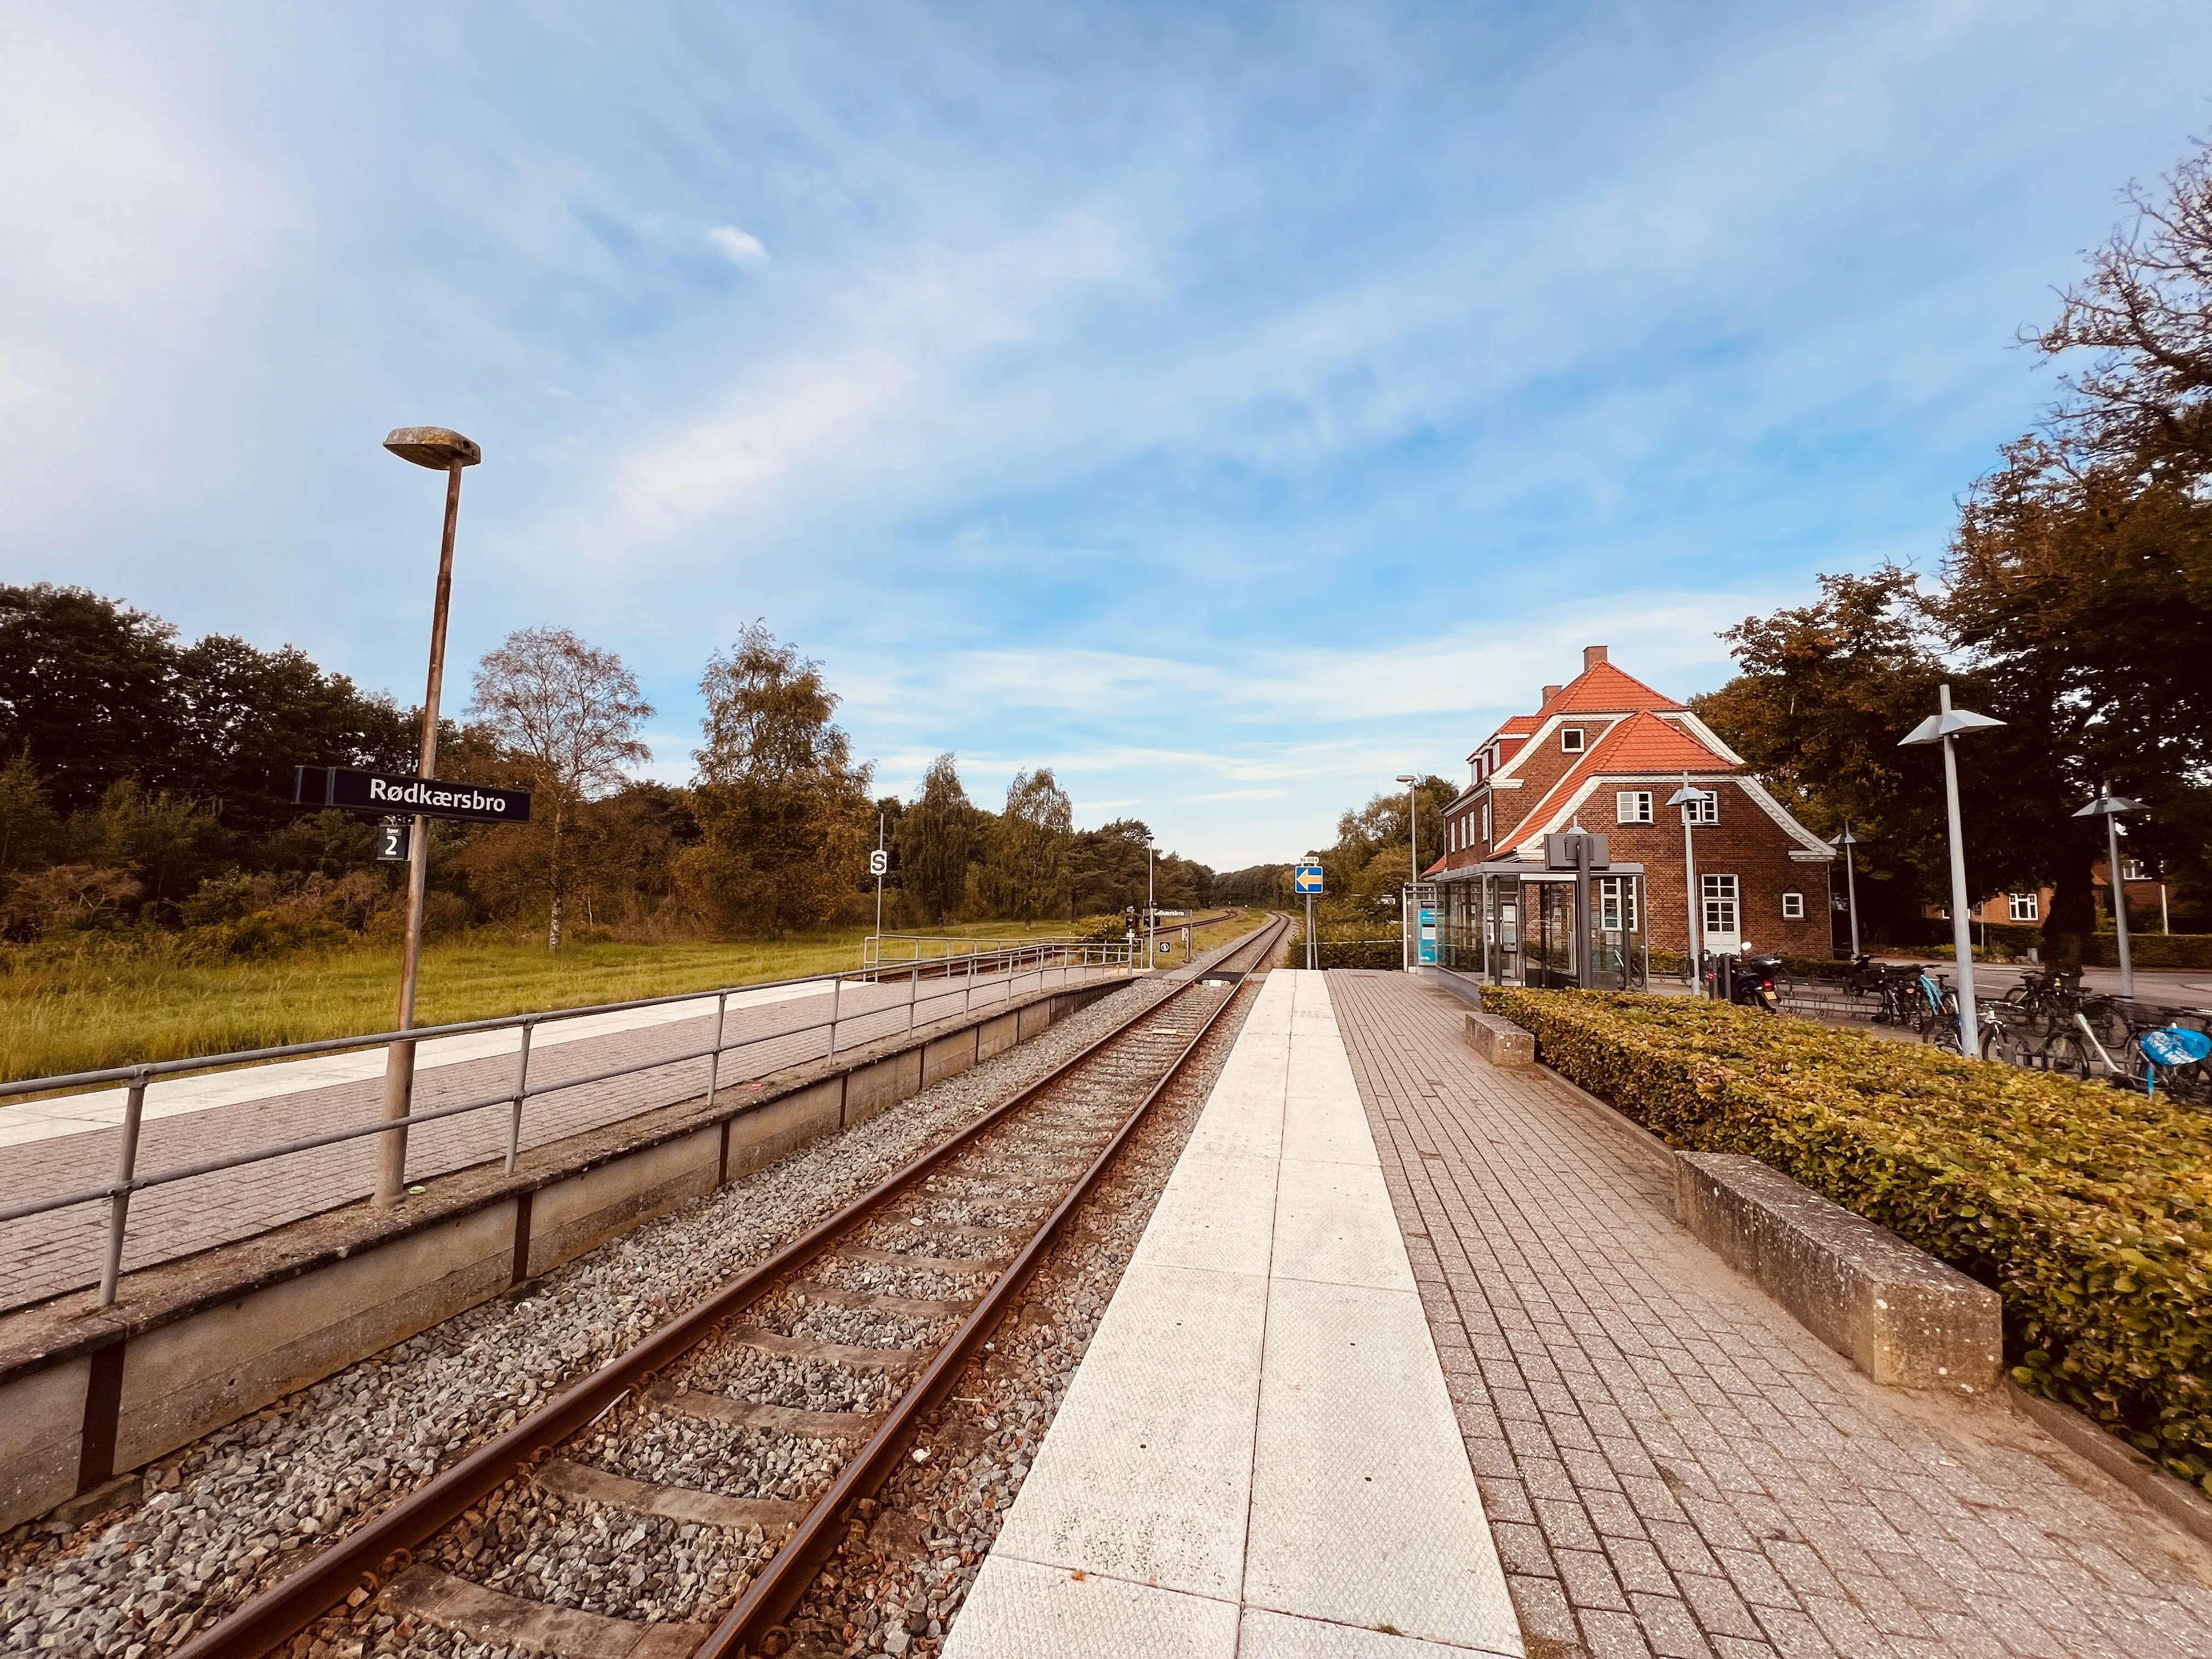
(1603, 753)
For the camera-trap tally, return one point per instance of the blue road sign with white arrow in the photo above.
(1307, 880)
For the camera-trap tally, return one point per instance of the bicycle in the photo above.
(2151, 1046)
(1937, 1014)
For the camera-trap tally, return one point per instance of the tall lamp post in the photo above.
(1689, 800)
(2108, 807)
(1943, 727)
(1409, 924)
(444, 451)
(1845, 843)
(1151, 909)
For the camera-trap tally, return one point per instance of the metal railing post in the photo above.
(968, 995)
(714, 1059)
(521, 1088)
(913, 984)
(119, 1201)
(836, 986)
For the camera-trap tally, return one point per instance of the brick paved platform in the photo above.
(1671, 1465)
(45, 1255)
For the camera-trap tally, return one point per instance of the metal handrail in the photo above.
(1015, 963)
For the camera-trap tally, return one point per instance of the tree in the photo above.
(783, 809)
(247, 717)
(1106, 868)
(89, 689)
(30, 833)
(1025, 861)
(569, 714)
(937, 840)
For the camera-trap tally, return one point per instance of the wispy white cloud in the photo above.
(738, 248)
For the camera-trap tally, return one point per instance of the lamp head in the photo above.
(1407, 777)
(1685, 796)
(435, 446)
(2108, 807)
(1936, 727)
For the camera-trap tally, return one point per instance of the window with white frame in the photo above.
(2024, 907)
(1707, 809)
(1486, 823)
(1793, 907)
(1570, 739)
(2134, 870)
(1720, 896)
(1616, 902)
(1632, 807)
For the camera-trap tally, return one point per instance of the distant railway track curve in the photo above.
(734, 1445)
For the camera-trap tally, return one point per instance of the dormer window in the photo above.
(1570, 739)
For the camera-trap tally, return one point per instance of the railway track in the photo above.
(679, 1500)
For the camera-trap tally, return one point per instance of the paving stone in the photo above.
(1604, 1366)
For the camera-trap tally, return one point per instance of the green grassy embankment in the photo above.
(62, 1012)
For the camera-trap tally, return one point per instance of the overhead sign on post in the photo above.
(393, 792)
(1307, 879)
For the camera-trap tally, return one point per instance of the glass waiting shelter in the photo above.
(1513, 923)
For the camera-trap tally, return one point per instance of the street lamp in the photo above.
(445, 451)
(1942, 726)
(1846, 843)
(1151, 909)
(1409, 926)
(2109, 807)
(1689, 800)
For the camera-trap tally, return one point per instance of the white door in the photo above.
(1723, 920)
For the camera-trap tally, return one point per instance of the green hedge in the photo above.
(2150, 950)
(2089, 1209)
(1357, 953)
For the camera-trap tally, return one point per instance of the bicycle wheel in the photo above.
(2004, 1042)
(2109, 1020)
(2064, 1053)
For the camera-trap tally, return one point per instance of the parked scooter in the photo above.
(1752, 982)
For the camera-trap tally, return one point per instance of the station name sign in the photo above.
(396, 792)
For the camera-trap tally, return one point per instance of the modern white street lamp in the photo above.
(2109, 807)
(443, 451)
(1845, 843)
(1689, 800)
(1409, 923)
(1942, 726)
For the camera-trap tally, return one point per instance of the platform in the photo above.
(69, 1143)
(1669, 1462)
(1257, 1455)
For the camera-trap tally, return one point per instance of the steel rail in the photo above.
(380, 1547)
(785, 1577)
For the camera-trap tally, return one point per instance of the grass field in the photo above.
(83, 1013)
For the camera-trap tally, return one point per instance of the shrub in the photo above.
(2088, 1209)
(1360, 953)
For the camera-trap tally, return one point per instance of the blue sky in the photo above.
(1229, 407)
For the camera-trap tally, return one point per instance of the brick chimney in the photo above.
(1592, 656)
(1550, 692)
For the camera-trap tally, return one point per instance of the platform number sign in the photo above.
(878, 862)
(1307, 879)
(392, 841)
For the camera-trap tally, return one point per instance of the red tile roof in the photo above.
(1641, 743)
(1604, 690)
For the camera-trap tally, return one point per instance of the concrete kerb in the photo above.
(1901, 1316)
(192, 1343)
(2185, 1505)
